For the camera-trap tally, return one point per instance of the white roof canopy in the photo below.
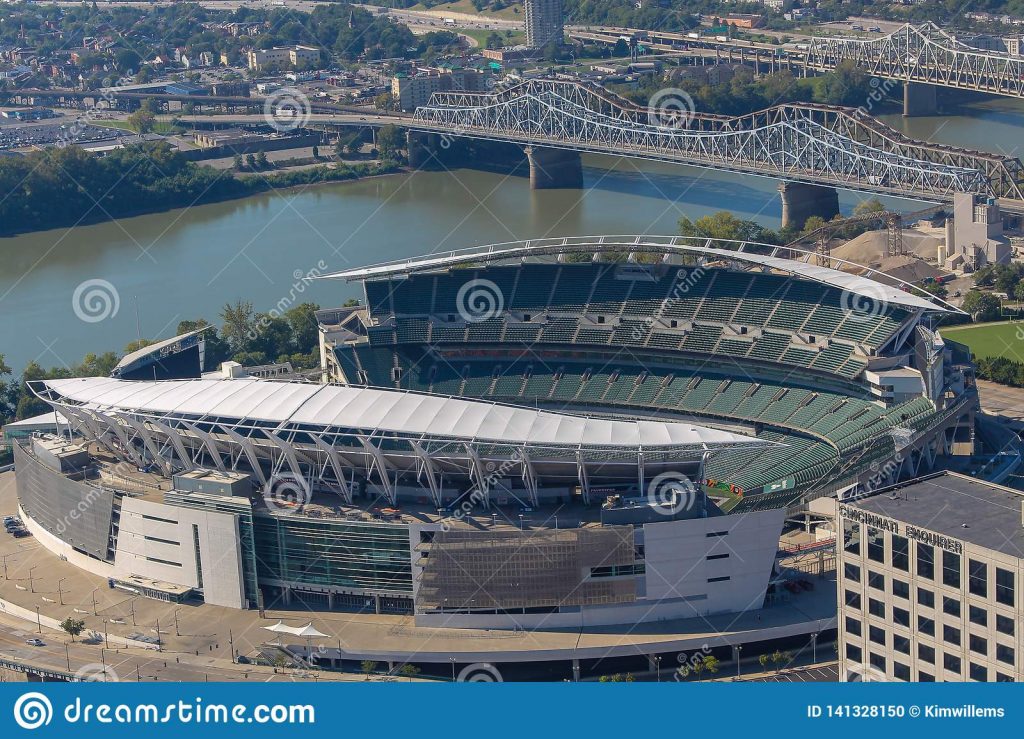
(285, 403)
(308, 631)
(846, 281)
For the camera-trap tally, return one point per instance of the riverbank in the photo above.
(138, 180)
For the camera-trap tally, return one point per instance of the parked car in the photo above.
(20, 533)
(35, 642)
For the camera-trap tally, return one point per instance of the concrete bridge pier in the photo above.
(919, 99)
(800, 201)
(554, 168)
(425, 150)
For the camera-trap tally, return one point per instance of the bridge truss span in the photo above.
(925, 54)
(816, 144)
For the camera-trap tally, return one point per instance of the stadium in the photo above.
(548, 434)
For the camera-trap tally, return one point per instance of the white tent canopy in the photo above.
(306, 632)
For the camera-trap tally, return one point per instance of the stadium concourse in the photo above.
(586, 434)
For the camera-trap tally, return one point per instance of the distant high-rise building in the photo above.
(543, 23)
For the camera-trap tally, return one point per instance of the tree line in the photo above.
(68, 186)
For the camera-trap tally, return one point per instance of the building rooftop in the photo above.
(960, 507)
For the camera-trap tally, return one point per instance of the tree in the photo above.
(240, 325)
(390, 143)
(763, 659)
(250, 161)
(494, 41)
(982, 306)
(368, 666)
(409, 670)
(710, 663)
(73, 626)
(261, 160)
(142, 121)
(724, 225)
(871, 205)
(238, 163)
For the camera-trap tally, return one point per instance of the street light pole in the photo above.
(39, 623)
(814, 648)
(452, 660)
(94, 601)
(739, 649)
(31, 582)
(67, 655)
(60, 592)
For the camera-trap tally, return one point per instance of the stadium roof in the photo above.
(395, 411)
(155, 348)
(845, 281)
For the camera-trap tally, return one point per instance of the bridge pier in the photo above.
(800, 201)
(424, 150)
(919, 99)
(554, 168)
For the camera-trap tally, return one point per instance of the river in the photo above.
(187, 264)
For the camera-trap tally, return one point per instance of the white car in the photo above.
(35, 642)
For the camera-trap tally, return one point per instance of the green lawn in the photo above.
(1004, 339)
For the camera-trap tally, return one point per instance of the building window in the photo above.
(876, 635)
(901, 643)
(719, 579)
(925, 598)
(901, 672)
(978, 673)
(951, 634)
(901, 617)
(952, 663)
(951, 606)
(851, 572)
(852, 626)
(925, 561)
(926, 625)
(924, 677)
(1001, 678)
(977, 644)
(876, 580)
(1004, 625)
(1005, 654)
(876, 608)
(876, 545)
(877, 661)
(977, 616)
(900, 553)
(900, 589)
(977, 578)
(852, 599)
(926, 653)
(950, 569)
(1004, 587)
(854, 653)
(851, 536)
